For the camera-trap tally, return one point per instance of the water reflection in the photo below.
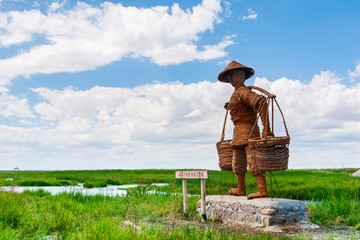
(106, 191)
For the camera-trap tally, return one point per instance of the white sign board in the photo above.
(192, 174)
(203, 175)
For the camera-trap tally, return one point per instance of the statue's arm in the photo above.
(258, 103)
(264, 116)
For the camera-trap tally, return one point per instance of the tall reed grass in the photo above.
(39, 215)
(333, 194)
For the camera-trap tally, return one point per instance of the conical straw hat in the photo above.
(223, 76)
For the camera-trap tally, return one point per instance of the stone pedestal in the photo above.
(264, 212)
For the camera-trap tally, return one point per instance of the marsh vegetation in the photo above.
(333, 195)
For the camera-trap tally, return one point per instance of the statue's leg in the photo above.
(261, 183)
(239, 166)
(260, 180)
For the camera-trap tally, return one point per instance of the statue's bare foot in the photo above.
(257, 195)
(237, 192)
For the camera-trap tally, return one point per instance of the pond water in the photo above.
(107, 191)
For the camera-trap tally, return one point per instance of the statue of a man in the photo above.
(244, 106)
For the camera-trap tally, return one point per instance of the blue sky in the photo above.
(133, 84)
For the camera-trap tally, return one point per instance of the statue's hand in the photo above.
(226, 105)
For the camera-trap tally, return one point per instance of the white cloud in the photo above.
(157, 112)
(228, 12)
(169, 125)
(195, 113)
(36, 4)
(164, 125)
(87, 37)
(324, 103)
(13, 106)
(26, 122)
(252, 15)
(54, 6)
(18, 27)
(355, 73)
(223, 63)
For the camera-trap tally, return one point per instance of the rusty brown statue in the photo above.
(244, 105)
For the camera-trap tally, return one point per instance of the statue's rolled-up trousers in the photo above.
(239, 165)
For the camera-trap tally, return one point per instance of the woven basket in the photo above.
(225, 151)
(269, 153)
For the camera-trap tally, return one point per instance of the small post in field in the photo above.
(203, 175)
(185, 200)
(203, 202)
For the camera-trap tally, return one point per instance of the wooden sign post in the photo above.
(203, 175)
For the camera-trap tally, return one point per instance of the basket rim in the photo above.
(228, 140)
(269, 139)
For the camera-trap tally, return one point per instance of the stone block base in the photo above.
(263, 212)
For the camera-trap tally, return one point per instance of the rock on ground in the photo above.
(356, 174)
(130, 224)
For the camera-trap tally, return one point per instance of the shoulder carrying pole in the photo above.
(273, 98)
(223, 130)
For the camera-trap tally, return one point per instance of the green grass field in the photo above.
(34, 215)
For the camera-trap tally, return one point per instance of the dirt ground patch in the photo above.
(324, 232)
(328, 232)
